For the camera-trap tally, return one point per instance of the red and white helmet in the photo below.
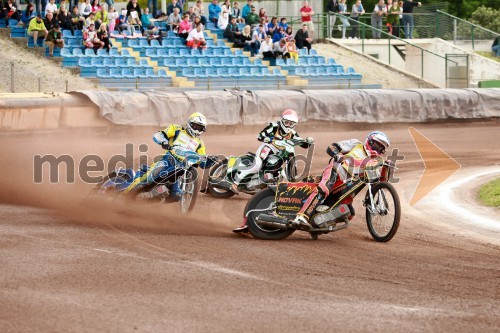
(288, 120)
(376, 143)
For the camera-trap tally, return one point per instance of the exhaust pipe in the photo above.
(274, 222)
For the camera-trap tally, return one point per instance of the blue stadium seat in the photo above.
(218, 52)
(127, 73)
(280, 62)
(162, 73)
(103, 53)
(96, 62)
(215, 61)
(115, 73)
(126, 53)
(227, 61)
(187, 72)
(114, 53)
(144, 63)
(223, 71)
(143, 43)
(255, 71)
(203, 62)
(120, 62)
(102, 73)
(303, 52)
(90, 53)
(173, 52)
(161, 52)
(211, 72)
(200, 73)
(151, 52)
(132, 63)
(221, 43)
(245, 71)
(180, 61)
(155, 43)
(238, 52)
(313, 52)
(185, 52)
(133, 43)
(169, 62)
(108, 62)
(192, 61)
(331, 61)
(79, 33)
(302, 62)
(312, 61)
(321, 61)
(227, 52)
(74, 42)
(151, 73)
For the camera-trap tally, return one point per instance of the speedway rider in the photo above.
(346, 155)
(178, 136)
(280, 130)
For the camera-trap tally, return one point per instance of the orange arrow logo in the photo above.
(439, 166)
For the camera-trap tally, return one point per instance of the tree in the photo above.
(488, 18)
(465, 8)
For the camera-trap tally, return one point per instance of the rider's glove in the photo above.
(310, 140)
(338, 158)
(267, 140)
(165, 145)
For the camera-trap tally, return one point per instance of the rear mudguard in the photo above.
(128, 173)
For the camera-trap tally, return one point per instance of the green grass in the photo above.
(489, 55)
(489, 194)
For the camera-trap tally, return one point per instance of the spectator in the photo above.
(213, 11)
(51, 7)
(50, 21)
(262, 14)
(306, 14)
(174, 4)
(40, 6)
(123, 23)
(146, 20)
(378, 13)
(61, 3)
(249, 44)
(292, 50)
(236, 12)
(280, 49)
(357, 9)
(197, 20)
(28, 14)
(37, 29)
(90, 39)
(232, 31)
(174, 20)
(407, 22)
(199, 10)
(102, 16)
(272, 26)
(224, 15)
(185, 27)
(110, 4)
(333, 7)
(86, 8)
(103, 36)
(95, 6)
(134, 21)
(252, 18)
(132, 4)
(267, 48)
(112, 17)
(246, 10)
(265, 25)
(288, 34)
(393, 18)
(54, 38)
(283, 24)
(196, 38)
(64, 19)
(302, 38)
(77, 20)
(259, 35)
(191, 14)
(345, 21)
(153, 34)
(278, 35)
(496, 46)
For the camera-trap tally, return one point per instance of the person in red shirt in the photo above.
(306, 13)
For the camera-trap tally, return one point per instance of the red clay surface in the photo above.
(69, 265)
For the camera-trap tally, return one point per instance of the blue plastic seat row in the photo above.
(131, 73)
(256, 73)
(185, 52)
(306, 61)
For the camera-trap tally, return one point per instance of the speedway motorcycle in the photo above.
(269, 213)
(280, 164)
(184, 172)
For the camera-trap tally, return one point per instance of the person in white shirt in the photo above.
(267, 48)
(51, 7)
(196, 38)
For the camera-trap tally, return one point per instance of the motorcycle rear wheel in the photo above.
(262, 200)
(383, 224)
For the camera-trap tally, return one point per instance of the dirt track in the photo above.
(69, 266)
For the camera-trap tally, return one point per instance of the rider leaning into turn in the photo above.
(280, 130)
(343, 153)
(178, 136)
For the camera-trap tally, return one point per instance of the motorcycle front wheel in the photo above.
(218, 173)
(384, 217)
(260, 201)
(191, 186)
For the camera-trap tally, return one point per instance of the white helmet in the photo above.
(288, 120)
(197, 124)
(376, 143)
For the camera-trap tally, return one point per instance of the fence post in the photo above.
(39, 84)
(422, 69)
(455, 31)
(389, 49)
(472, 33)
(362, 37)
(446, 69)
(12, 88)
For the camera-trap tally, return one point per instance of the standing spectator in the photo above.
(110, 4)
(103, 36)
(278, 35)
(393, 18)
(196, 38)
(262, 14)
(37, 29)
(174, 20)
(283, 24)
(408, 6)
(77, 20)
(232, 31)
(86, 8)
(95, 6)
(292, 50)
(54, 38)
(345, 21)
(377, 16)
(146, 20)
(64, 19)
(306, 14)
(252, 18)
(236, 12)
(246, 10)
(40, 6)
(90, 39)
(280, 49)
(199, 9)
(51, 7)
(302, 38)
(224, 15)
(332, 7)
(273, 26)
(289, 34)
(102, 16)
(50, 21)
(495, 47)
(185, 27)
(28, 14)
(357, 9)
(112, 17)
(174, 4)
(153, 4)
(214, 11)
(267, 48)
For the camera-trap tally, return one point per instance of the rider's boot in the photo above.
(301, 222)
(353, 212)
(242, 228)
(176, 192)
(234, 188)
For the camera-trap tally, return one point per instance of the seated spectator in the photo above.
(28, 14)
(196, 21)
(86, 8)
(51, 7)
(90, 39)
(185, 27)
(64, 19)
(77, 20)
(214, 11)
(146, 20)
(103, 36)
(232, 31)
(174, 4)
(102, 16)
(265, 25)
(496, 46)
(292, 50)
(112, 17)
(199, 10)
(224, 15)
(258, 35)
(37, 28)
(302, 38)
(249, 44)
(267, 48)
(236, 12)
(153, 34)
(123, 23)
(62, 3)
(278, 35)
(95, 6)
(252, 17)
(289, 34)
(90, 20)
(262, 14)
(191, 13)
(281, 49)
(196, 38)
(134, 21)
(50, 22)
(174, 20)
(133, 5)
(246, 10)
(283, 24)
(272, 26)
(54, 38)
